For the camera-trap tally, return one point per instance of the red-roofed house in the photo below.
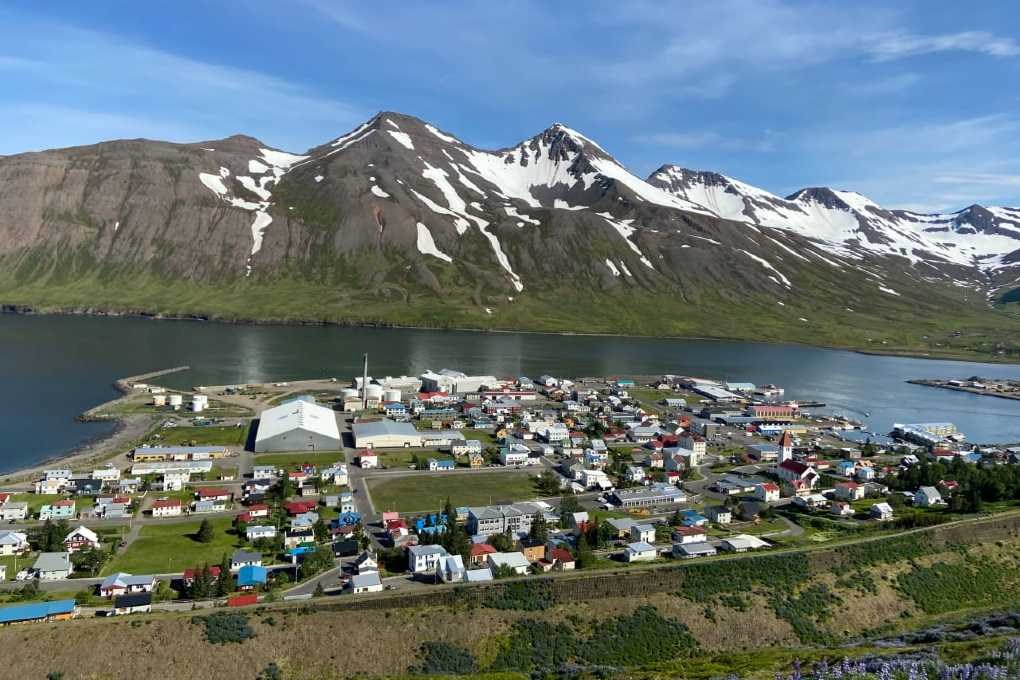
(797, 474)
(295, 508)
(480, 552)
(189, 574)
(210, 493)
(167, 507)
(684, 535)
(767, 492)
(849, 491)
(561, 559)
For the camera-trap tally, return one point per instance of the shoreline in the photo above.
(27, 310)
(966, 390)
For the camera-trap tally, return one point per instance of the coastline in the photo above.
(27, 310)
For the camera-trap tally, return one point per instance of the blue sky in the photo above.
(914, 104)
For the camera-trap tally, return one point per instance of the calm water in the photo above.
(53, 368)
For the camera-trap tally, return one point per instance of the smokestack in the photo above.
(364, 385)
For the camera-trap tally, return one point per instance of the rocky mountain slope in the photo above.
(400, 222)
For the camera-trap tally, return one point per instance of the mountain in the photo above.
(398, 221)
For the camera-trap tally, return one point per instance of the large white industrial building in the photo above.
(298, 425)
(448, 380)
(388, 434)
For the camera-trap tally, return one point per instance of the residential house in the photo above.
(450, 569)
(639, 551)
(13, 510)
(133, 603)
(476, 460)
(62, 509)
(167, 507)
(13, 543)
(849, 491)
(692, 518)
(369, 582)
(81, 538)
(516, 562)
(743, 543)
(368, 459)
(684, 535)
(53, 566)
(767, 491)
(173, 481)
(642, 533)
(257, 532)
(533, 550)
(441, 465)
(122, 584)
(799, 477)
(422, 559)
(480, 553)
(466, 447)
(366, 562)
(252, 577)
(264, 472)
(207, 506)
(213, 494)
(244, 558)
(763, 453)
(622, 525)
(719, 514)
(561, 558)
(881, 511)
(635, 474)
(928, 497)
(51, 486)
(841, 509)
(691, 550)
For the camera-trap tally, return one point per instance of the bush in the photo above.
(525, 596)
(536, 645)
(643, 637)
(442, 657)
(224, 627)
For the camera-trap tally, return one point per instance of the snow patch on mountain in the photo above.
(427, 246)
(768, 265)
(402, 137)
(379, 192)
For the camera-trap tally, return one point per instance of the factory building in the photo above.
(298, 425)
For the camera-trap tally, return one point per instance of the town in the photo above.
(289, 491)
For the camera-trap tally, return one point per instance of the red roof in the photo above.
(770, 486)
(479, 549)
(794, 466)
(258, 506)
(63, 504)
(242, 600)
(786, 440)
(848, 485)
(212, 492)
(4, 497)
(167, 503)
(189, 574)
(689, 531)
(561, 555)
(298, 507)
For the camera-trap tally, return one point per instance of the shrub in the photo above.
(224, 627)
(526, 596)
(442, 657)
(643, 637)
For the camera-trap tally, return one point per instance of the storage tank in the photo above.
(348, 393)
(159, 400)
(374, 392)
(175, 400)
(391, 395)
(199, 403)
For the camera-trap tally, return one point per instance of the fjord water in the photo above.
(55, 367)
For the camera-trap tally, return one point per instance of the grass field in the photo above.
(290, 461)
(486, 438)
(169, 548)
(418, 493)
(207, 435)
(401, 458)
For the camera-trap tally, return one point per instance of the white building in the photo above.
(515, 561)
(52, 566)
(422, 559)
(369, 582)
(263, 472)
(448, 380)
(642, 533)
(298, 425)
(639, 552)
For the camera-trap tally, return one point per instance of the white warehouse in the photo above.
(298, 425)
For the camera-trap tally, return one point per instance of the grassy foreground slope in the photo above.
(946, 322)
(751, 614)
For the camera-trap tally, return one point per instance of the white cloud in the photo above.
(899, 45)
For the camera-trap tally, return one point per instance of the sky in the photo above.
(914, 103)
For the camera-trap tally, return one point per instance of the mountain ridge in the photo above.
(401, 216)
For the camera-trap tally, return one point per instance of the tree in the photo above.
(224, 582)
(205, 532)
(568, 506)
(501, 542)
(585, 556)
(321, 530)
(316, 561)
(201, 583)
(284, 488)
(548, 483)
(539, 529)
(90, 560)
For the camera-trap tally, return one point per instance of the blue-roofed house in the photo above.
(58, 610)
(251, 577)
(845, 467)
(690, 518)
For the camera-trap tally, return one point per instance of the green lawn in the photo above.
(37, 500)
(206, 435)
(23, 562)
(169, 548)
(401, 458)
(290, 461)
(486, 438)
(429, 492)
